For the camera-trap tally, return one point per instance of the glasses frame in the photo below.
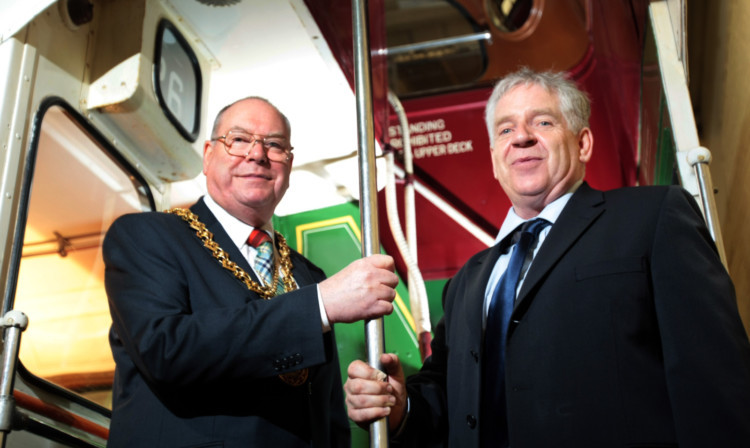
(255, 138)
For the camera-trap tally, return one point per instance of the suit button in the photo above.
(471, 421)
(474, 355)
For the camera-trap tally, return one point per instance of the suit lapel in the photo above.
(580, 212)
(477, 276)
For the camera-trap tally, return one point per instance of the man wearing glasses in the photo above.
(222, 335)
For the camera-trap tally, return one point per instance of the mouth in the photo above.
(255, 176)
(528, 160)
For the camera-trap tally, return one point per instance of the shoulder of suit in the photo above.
(651, 197)
(146, 217)
(644, 192)
(147, 224)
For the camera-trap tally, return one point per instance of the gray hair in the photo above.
(220, 115)
(574, 103)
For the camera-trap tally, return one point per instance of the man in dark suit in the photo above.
(206, 353)
(623, 332)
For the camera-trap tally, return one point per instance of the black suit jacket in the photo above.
(198, 355)
(625, 334)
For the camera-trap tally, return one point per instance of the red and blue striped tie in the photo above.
(264, 258)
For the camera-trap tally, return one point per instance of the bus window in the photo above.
(78, 189)
(509, 15)
(431, 69)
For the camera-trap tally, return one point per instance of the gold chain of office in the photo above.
(206, 237)
(267, 292)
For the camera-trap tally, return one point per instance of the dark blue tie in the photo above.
(494, 418)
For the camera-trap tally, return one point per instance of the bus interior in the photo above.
(106, 105)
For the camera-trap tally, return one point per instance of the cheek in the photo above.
(559, 161)
(497, 162)
(207, 163)
(220, 173)
(283, 182)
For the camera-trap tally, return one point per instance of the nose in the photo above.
(523, 137)
(254, 155)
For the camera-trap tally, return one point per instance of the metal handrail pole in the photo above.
(14, 322)
(700, 158)
(374, 333)
(437, 43)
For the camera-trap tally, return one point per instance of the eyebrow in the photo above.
(534, 113)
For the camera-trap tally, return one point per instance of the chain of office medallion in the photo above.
(207, 238)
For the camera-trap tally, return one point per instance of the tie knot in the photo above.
(534, 226)
(258, 237)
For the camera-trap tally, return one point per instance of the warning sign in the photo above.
(429, 139)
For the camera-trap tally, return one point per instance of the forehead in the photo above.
(524, 98)
(254, 115)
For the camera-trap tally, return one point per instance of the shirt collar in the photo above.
(551, 212)
(237, 230)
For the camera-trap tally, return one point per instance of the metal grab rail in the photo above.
(374, 332)
(692, 159)
(449, 210)
(700, 158)
(14, 322)
(437, 43)
(59, 420)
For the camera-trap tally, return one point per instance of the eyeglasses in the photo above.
(238, 143)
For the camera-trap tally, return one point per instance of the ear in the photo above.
(291, 160)
(585, 145)
(208, 149)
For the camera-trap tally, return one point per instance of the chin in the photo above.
(530, 189)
